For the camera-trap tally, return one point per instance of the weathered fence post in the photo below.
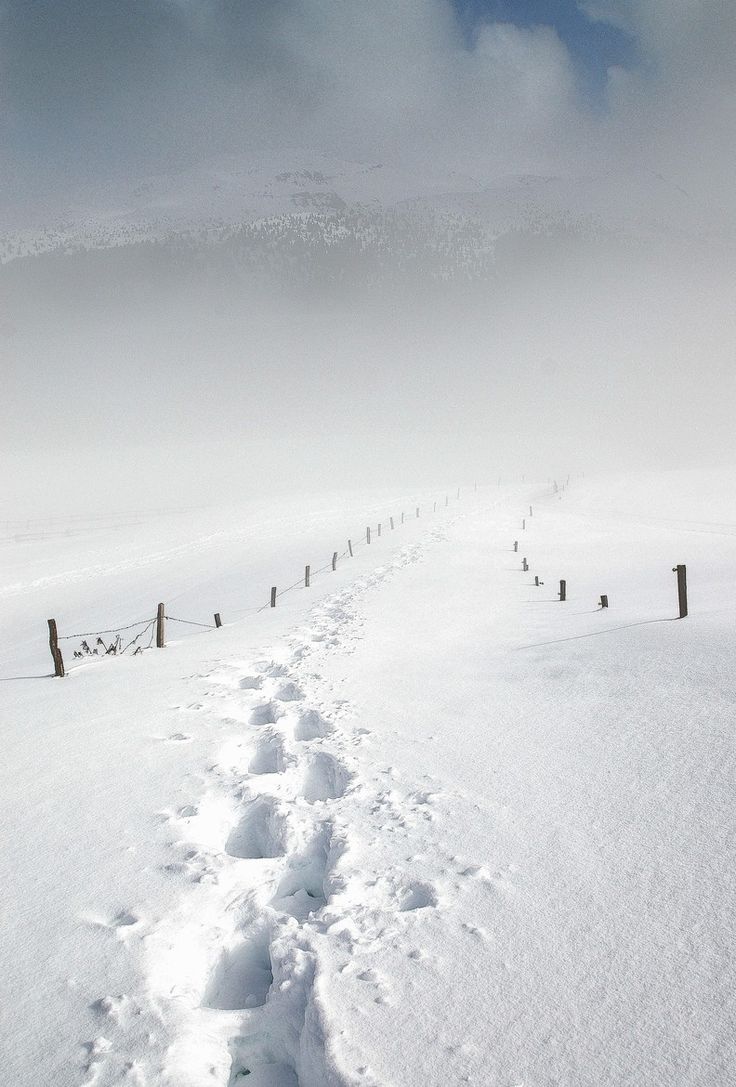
(160, 627)
(391, 522)
(55, 651)
(681, 572)
(368, 534)
(402, 518)
(458, 492)
(417, 511)
(273, 596)
(516, 545)
(218, 620)
(350, 548)
(379, 528)
(604, 601)
(523, 524)
(525, 565)
(531, 511)
(434, 508)
(536, 580)
(563, 590)
(306, 576)
(334, 560)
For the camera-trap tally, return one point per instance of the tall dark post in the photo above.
(55, 651)
(273, 596)
(681, 572)
(516, 545)
(563, 590)
(334, 560)
(306, 576)
(525, 565)
(350, 548)
(218, 620)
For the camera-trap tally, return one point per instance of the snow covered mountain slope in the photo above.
(421, 824)
(210, 197)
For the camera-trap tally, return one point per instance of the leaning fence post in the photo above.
(681, 572)
(350, 548)
(160, 627)
(218, 620)
(55, 651)
(563, 590)
(368, 534)
(334, 560)
(306, 576)
(273, 596)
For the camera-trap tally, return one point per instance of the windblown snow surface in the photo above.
(420, 825)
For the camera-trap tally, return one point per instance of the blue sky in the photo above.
(594, 46)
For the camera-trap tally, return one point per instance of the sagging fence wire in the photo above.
(154, 627)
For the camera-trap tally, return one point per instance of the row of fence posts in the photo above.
(680, 570)
(160, 611)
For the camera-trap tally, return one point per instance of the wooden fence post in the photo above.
(218, 620)
(447, 500)
(525, 565)
(55, 651)
(334, 560)
(681, 572)
(379, 528)
(523, 524)
(604, 601)
(273, 596)
(160, 627)
(417, 511)
(391, 522)
(402, 518)
(350, 548)
(434, 508)
(368, 534)
(306, 577)
(563, 590)
(516, 545)
(531, 511)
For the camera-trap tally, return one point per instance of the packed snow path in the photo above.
(444, 830)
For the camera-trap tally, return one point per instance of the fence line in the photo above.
(155, 625)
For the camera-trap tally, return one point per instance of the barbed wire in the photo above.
(110, 630)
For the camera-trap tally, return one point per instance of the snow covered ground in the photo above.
(420, 825)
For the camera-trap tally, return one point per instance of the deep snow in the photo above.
(422, 824)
